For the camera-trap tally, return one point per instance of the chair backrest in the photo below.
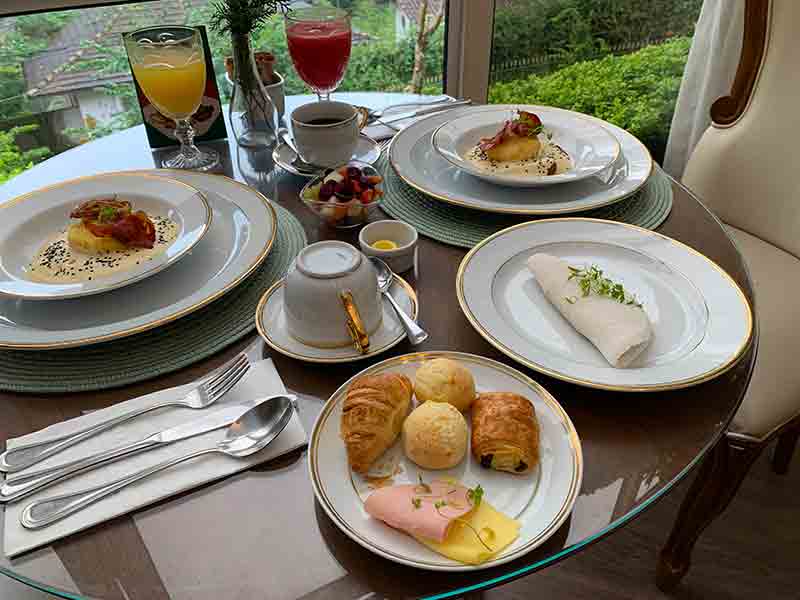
(746, 166)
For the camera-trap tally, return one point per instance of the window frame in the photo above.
(12, 8)
(467, 64)
(466, 68)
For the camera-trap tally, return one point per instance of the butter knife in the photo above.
(421, 112)
(25, 484)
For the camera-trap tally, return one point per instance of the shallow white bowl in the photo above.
(28, 221)
(590, 146)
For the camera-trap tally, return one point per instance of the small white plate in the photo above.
(271, 324)
(702, 322)
(417, 163)
(239, 239)
(590, 146)
(541, 500)
(27, 222)
(367, 151)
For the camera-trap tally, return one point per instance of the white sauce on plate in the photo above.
(57, 262)
(540, 166)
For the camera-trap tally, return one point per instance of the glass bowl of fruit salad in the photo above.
(345, 196)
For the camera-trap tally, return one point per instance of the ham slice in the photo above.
(397, 506)
(620, 332)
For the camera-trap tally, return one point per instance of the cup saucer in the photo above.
(367, 151)
(271, 324)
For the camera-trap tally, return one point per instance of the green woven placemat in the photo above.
(466, 227)
(161, 350)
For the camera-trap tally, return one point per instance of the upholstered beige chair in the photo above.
(746, 167)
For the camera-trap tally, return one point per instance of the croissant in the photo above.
(372, 416)
(505, 432)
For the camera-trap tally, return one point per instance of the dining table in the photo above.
(261, 533)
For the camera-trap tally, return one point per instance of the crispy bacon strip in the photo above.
(90, 210)
(524, 125)
(135, 229)
(132, 229)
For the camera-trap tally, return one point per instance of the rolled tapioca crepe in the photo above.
(619, 331)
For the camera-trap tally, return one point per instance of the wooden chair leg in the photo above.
(718, 478)
(784, 450)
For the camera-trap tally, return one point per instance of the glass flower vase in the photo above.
(251, 111)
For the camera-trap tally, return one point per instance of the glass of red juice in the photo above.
(319, 40)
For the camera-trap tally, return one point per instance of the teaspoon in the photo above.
(416, 335)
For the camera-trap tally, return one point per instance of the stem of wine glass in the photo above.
(184, 132)
(323, 96)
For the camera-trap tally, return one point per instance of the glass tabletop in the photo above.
(261, 533)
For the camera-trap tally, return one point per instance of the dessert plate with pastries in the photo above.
(445, 461)
(95, 234)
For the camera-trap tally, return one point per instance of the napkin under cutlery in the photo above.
(261, 380)
(379, 132)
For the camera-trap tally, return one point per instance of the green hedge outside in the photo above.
(635, 91)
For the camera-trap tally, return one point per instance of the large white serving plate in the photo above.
(591, 147)
(28, 221)
(702, 322)
(541, 501)
(240, 236)
(415, 160)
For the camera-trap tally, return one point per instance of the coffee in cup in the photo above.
(326, 133)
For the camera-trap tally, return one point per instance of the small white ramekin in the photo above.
(400, 259)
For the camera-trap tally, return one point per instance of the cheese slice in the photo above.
(496, 530)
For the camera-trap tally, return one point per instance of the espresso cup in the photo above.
(331, 297)
(326, 133)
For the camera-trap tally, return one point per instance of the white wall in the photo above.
(97, 105)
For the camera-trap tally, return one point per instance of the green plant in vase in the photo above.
(251, 111)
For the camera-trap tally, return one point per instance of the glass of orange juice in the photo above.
(169, 64)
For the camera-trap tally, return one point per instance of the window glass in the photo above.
(620, 60)
(65, 80)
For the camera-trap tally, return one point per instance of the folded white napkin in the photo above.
(380, 132)
(261, 380)
(619, 331)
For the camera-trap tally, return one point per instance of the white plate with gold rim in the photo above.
(240, 236)
(271, 324)
(702, 322)
(590, 146)
(417, 162)
(31, 221)
(541, 500)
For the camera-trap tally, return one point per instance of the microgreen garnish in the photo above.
(416, 502)
(426, 489)
(530, 120)
(107, 213)
(591, 280)
(475, 495)
(466, 523)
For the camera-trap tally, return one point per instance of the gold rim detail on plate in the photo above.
(262, 330)
(124, 282)
(189, 309)
(675, 385)
(522, 211)
(547, 397)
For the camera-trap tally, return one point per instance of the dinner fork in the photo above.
(205, 394)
